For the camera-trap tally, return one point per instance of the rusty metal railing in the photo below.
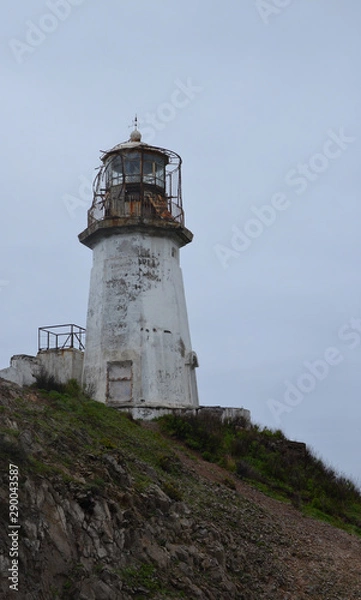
(107, 206)
(59, 337)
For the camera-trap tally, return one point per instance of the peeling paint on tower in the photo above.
(138, 351)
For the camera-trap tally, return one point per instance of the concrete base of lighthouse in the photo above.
(138, 351)
(223, 413)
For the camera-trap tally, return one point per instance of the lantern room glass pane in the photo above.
(160, 171)
(148, 170)
(132, 167)
(116, 170)
(153, 169)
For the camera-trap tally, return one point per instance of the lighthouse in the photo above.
(138, 352)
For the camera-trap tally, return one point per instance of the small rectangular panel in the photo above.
(119, 382)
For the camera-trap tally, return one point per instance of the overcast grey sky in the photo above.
(262, 100)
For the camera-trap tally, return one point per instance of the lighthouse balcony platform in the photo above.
(152, 226)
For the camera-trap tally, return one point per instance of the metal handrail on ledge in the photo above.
(60, 337)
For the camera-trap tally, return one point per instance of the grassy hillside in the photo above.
(262, 457)
(115, 509)
(265, 458)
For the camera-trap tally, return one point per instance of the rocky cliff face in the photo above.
(111, 510)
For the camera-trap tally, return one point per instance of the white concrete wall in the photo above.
(137, 312)
(62, 364)
(22, 370)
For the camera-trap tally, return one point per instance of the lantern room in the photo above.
(138, 182)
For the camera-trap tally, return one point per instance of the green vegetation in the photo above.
(172, 491)
(49, 383)
(67, 424)
(142, 579)
(284, 469)
(144, 582)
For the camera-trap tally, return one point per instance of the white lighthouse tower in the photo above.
(138, 352)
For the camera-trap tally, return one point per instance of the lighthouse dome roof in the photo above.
(135, 141)
(128, 144)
